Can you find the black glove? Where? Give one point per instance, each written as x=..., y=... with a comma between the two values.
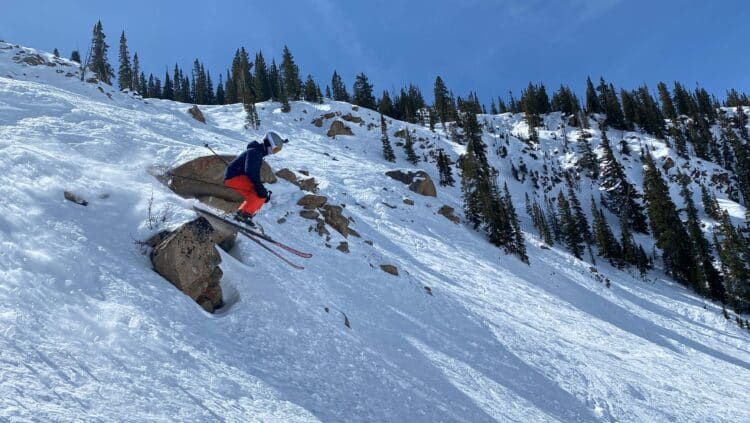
x=268, y=196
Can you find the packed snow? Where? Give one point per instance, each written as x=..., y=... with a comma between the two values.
x=89, y=332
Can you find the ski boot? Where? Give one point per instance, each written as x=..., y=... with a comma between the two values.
x=245, y=218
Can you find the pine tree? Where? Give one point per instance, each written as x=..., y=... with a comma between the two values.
x=588, y=160
x=603, y=236
x=261, y=80
x=283, y=99
x=667, y=106
x=592, y=101
x=669, y=232
x=734, y=253
x=55, y=53
x=290, y=75
x=135, y=72
x=338, y=89
x=363, y=92
x=471, y=174
x=442, y=100
x=210, y=95
x=581, y=222
x=75, y=56
x=168, y=92
x=98, y=62
x=411, y=156
x=620, y=196
x=444, y=169
x=518, y=245
x=274, y=81
x=310, y=90
x=570, y=233
x=220, y=98
x=125, y=73
x=387, y=149
x=706, y=276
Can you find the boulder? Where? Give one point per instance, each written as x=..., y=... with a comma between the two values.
x=196, y=113
x=188, y=259
x=318, y=122
x=220, y=203
x=287, y=175
x=343, y=247
x=389, y=268
x=419, y=182
x=447, y=211
x=354, y=119
x=408, y=201
x=423, y=185
x=309, y=214
x=401, y=133
x=312, y=201
x=225, y=234
x=334, y=218
x=338, y=128
x=668, y=164
x=266, y=174
x=309, y=185
x=204, y=176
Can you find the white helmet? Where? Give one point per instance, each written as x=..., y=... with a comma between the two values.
x=273, y=142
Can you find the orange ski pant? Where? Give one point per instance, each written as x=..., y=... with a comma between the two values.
x=245, y=188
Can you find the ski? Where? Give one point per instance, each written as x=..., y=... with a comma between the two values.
x=251, y=232
x=275, y=253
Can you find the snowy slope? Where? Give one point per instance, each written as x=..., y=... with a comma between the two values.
x=89, y=332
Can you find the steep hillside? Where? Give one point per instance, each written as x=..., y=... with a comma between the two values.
x=88, y=331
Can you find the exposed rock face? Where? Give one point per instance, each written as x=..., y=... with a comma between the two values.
x=204, y=176
x=354, y=119
x=389, y=268
x=287, y=175
x=189, y=260
x=334, y=218
x=311, y=201
x=447, y=211
x=197, y=114
x=338, y=128
x=419, y=182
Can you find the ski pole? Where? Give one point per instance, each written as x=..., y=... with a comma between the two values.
x=215, y=153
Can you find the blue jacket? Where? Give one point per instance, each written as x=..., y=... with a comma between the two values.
x=249, y=163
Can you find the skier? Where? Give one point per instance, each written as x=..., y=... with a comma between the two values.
x=243, y=176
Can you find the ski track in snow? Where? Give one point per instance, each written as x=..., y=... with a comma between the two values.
x=89, y=332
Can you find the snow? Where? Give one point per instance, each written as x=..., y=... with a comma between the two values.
x=89, y=332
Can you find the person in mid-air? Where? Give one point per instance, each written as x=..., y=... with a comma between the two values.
x=243, y=176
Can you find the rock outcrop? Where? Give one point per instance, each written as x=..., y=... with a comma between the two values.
x=447, y=211
x=204, y=177
x=188, y=259
x=354, y=119
x=389, y=268
x=419, y=182
x=338, y=128
x=196, y=113
x=333, y=217
x=312, y=201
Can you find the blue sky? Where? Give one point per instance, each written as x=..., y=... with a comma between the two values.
x=487, y=46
